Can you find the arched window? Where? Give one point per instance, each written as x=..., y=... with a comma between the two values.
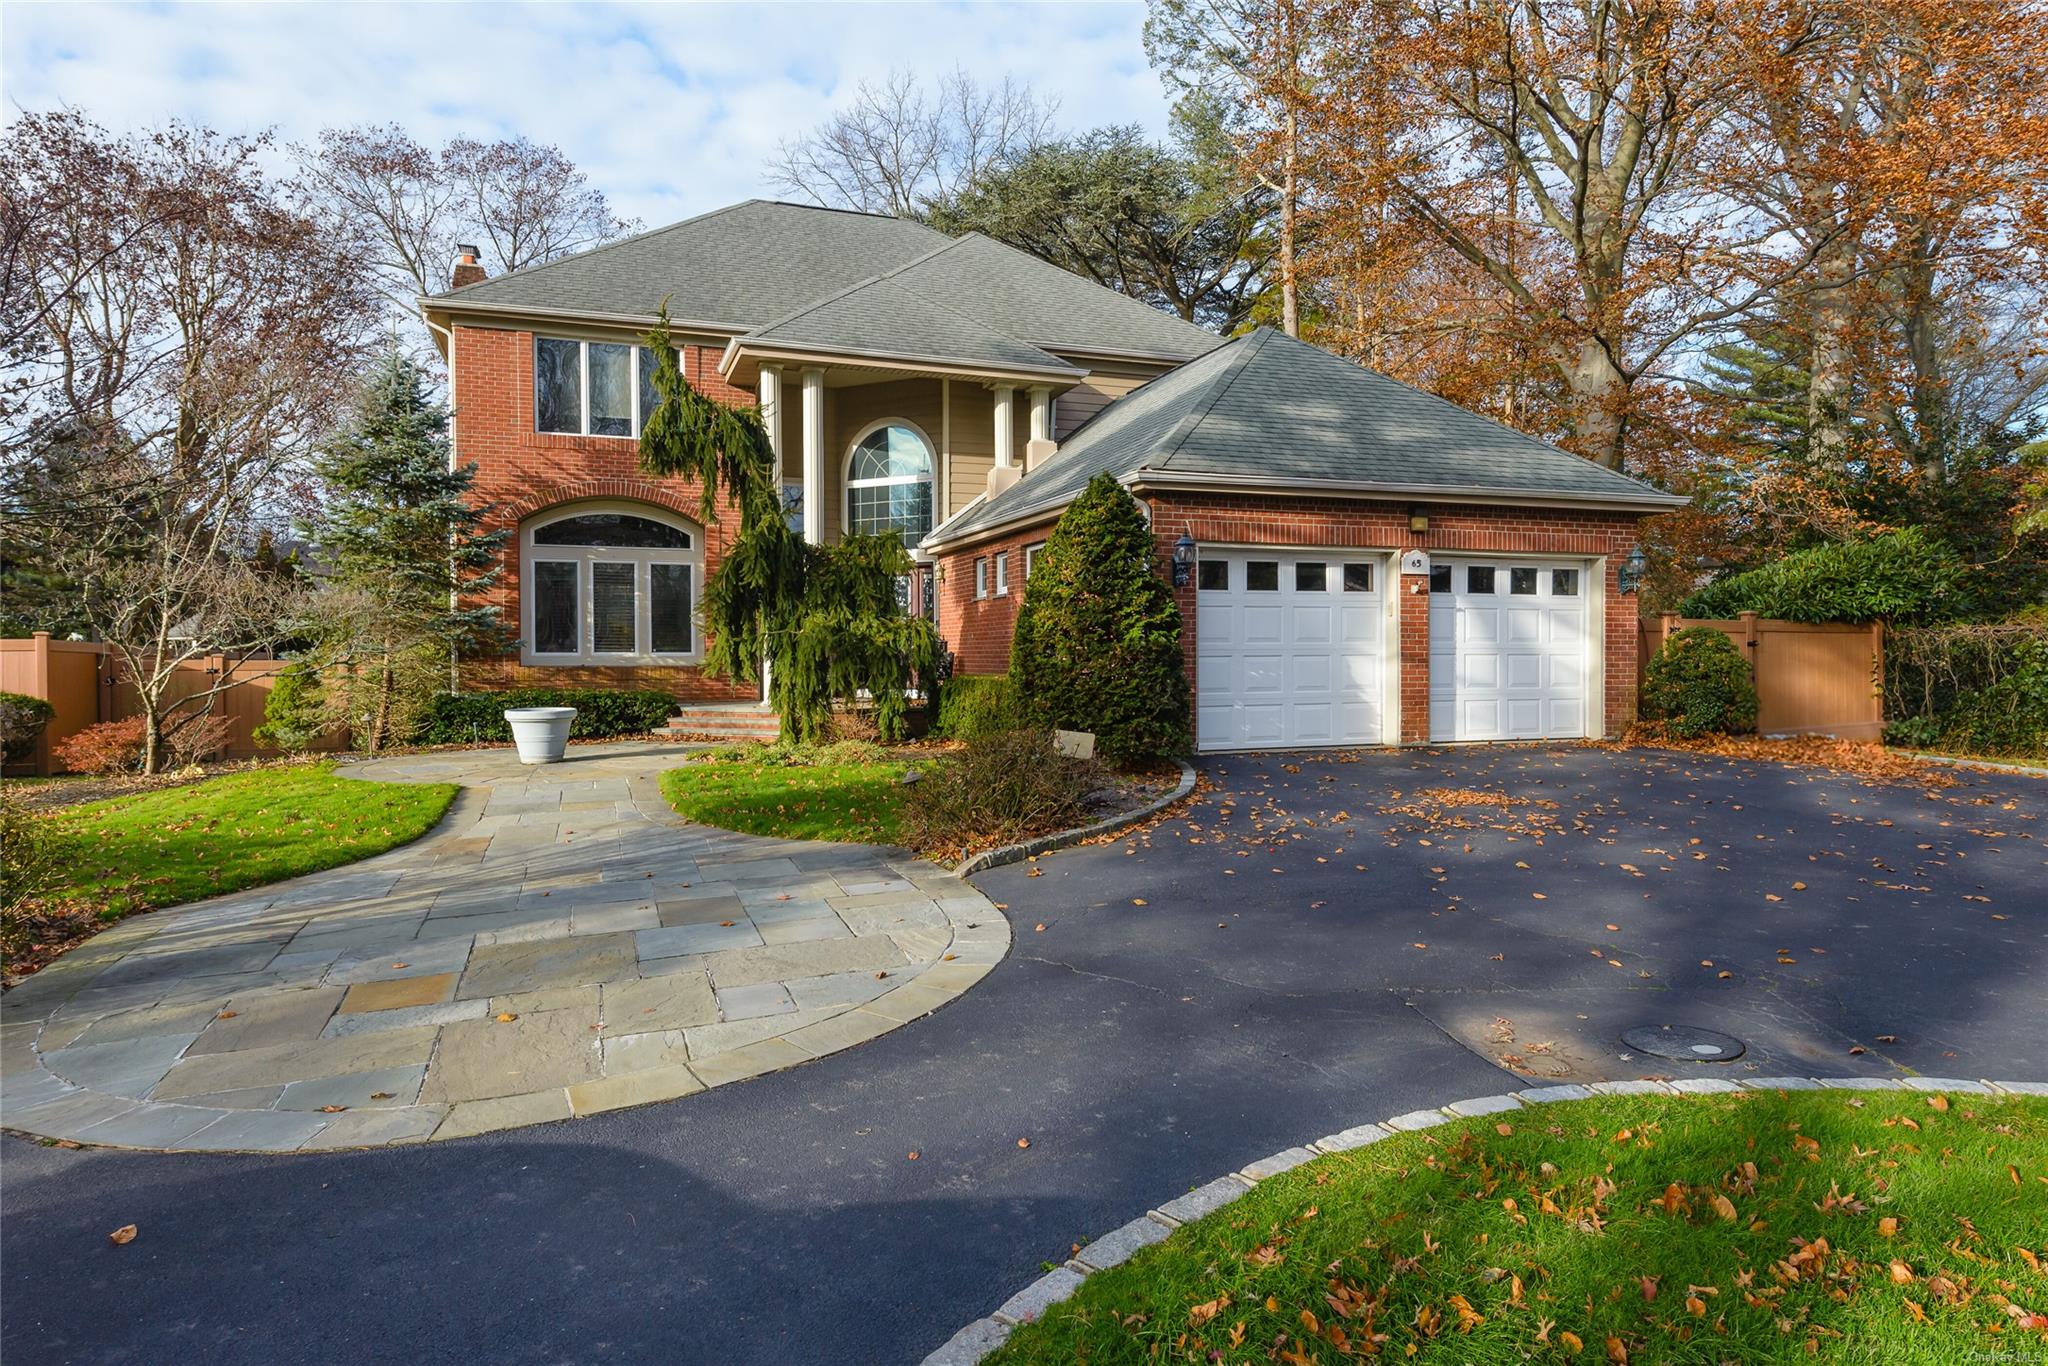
x=609, y=584
x=889, y=481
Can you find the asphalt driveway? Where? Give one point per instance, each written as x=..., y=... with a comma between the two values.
x=1175, y=1005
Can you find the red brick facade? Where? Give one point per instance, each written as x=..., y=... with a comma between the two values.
x=522, y=471
x=979, y=631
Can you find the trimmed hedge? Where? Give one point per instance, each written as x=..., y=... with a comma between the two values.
x=974, y=705
x=464, y=718
x=1896, y=576
x=1699, y=684
x=22, y=719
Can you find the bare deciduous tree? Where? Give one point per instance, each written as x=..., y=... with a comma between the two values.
x=192, y=335
x=403, y=206
x=901, y=146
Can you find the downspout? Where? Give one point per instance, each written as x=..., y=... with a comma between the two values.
x=454, y=663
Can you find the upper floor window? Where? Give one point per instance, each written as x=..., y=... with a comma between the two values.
x=889, y=482
x=591, y=388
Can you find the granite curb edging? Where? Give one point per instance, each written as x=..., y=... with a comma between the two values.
x=1990, y=765
x=979, y=938
x=983, y=1336
x=1045, y=844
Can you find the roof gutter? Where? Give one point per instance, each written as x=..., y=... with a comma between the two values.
x=739, y=347
x=450, y=304
x=1649, y=501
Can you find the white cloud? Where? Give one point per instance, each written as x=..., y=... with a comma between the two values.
x=671, y=109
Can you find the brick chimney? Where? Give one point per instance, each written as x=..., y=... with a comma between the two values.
x=467, y=271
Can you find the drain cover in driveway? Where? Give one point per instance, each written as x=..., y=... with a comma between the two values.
x=1683, y=1042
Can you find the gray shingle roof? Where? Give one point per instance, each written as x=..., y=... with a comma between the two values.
x=1015, y=292
x=754, y=263
x=883, y=317
x=1280, y=412
x=739, y=266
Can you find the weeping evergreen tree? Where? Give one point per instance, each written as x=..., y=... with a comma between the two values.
x=825, y=618
x=402, y=547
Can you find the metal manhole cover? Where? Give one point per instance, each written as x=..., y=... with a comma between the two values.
x=1683, y=1042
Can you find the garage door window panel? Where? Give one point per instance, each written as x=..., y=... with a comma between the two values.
x=1479, y=578
x=1262, y=576
x=1358, y=578
x=1213, y=576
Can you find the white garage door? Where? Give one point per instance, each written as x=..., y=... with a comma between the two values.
x=1290, y=649
x=1509, y=650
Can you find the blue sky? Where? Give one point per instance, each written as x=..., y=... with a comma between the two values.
x=671, y=109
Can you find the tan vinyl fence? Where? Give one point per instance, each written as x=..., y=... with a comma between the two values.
x=1810, y=679
x=82, y=680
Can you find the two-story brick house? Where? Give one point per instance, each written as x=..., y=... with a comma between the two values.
x=1365, y=563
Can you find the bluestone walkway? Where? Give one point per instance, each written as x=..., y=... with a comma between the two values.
x=561, y=944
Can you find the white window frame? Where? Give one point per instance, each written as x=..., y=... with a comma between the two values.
x=1002, y=573
x=583, y=346
x=848, y=483
x=1031, y=553
x=586, y=556
x=980, y=579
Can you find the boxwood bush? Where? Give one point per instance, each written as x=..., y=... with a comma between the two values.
x=974, y=705
x=464, y=718
x=1699, y=684
x=22, y=719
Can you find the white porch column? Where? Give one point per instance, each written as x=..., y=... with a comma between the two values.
x=770, y=390
x=814, y=456
x=1006, y=425
x=1041, y=412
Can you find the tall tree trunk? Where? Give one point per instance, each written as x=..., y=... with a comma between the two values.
x=1599, y=401
x=1832, y=365
x=1290, y=306
x=152, y=741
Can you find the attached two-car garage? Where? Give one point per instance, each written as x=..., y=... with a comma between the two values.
x=1298, y=648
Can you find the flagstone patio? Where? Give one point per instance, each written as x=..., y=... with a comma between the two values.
x=561, y=944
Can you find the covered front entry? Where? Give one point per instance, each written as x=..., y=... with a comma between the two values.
x=1291, y=649
x=1511, y=649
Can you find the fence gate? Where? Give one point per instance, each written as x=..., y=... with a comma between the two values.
x=1810, y=679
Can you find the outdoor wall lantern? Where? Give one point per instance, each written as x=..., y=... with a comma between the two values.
x=1418, y=520
x=1631, y=574
x=1183, y=560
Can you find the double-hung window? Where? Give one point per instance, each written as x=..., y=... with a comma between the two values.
x=604, y=585
x=981, y=578
x=585, y=388
x=1003, y=574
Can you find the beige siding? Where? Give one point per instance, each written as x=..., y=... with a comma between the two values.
x=1104, y=385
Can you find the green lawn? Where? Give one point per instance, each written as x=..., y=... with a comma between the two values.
x=238, y=830
x=862, y=801
x=1757, y=1227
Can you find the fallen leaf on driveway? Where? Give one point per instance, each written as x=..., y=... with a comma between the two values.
x=507, y=1017
x=332, y=1109
x=1023, y=1142
x=122, y=1236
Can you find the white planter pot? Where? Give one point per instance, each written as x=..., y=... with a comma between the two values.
x=541, y=733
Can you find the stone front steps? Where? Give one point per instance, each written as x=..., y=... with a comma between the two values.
x=725, y=721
